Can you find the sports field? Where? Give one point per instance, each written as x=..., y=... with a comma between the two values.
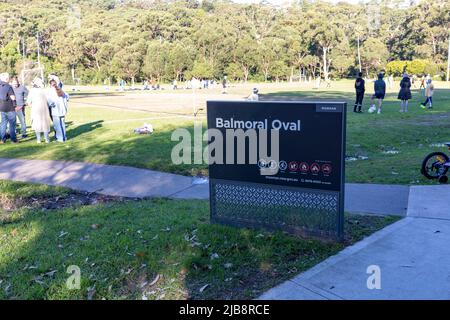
x=386, y=148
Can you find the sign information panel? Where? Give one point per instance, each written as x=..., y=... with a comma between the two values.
x=291, y=172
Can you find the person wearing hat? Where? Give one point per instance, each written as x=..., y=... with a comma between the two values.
x=405, y=92
x=54, y=77
x=254, y=96
x=380, y=92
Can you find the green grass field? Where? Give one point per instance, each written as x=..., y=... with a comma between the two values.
x=151, y=249
x=100, y=129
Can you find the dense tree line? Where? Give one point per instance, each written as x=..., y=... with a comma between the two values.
x=164, y=40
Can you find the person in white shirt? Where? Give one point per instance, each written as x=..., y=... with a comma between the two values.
x=57, y=100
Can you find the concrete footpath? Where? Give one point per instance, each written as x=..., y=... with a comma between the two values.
x=413, y=256
x=140, y=183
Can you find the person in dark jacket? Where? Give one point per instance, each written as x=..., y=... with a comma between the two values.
x=7, y=109
x=360, y=89
x=380, y=92
x=21, y=93
x=405, y=92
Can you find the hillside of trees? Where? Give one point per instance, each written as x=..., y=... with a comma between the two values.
x=94, y=40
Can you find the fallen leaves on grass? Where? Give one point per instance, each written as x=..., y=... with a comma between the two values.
x=62, y=234
x=203, y=288
x=158, y=276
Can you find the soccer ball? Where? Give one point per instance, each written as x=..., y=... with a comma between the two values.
x=372, y=109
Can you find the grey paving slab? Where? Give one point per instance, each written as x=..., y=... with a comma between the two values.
x=200, y=192
x=430, y=202
x=376, y=198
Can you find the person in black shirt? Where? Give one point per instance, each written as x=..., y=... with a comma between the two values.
x=360, y=89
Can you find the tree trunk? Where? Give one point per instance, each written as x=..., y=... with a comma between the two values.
x=266, y=74
x=325, y=63
x=434, y=44
x=72, y=69
x=246, y=72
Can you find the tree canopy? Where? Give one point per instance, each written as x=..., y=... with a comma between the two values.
x=178, y=39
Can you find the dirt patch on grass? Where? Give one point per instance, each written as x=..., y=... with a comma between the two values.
x=74, y=199
x=433, y=119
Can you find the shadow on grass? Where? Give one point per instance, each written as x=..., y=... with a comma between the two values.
x=84, y=128
x=160, y=249
x=134, y=243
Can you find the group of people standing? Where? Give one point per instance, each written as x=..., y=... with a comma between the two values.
x=47, y=106
x=404, y=94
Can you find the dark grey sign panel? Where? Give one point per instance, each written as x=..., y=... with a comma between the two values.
x=305, y=195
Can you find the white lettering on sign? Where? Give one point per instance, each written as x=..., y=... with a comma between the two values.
x=276, y=124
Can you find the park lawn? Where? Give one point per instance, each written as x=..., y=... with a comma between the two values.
x=150, y=249
x=392, y=144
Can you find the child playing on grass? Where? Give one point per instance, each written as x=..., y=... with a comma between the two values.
x=405, y=92
x=429, y=95
x=360, y=89
x=57, y=100
x=380, y=92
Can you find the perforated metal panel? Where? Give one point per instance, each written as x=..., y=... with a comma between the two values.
x=304, y=212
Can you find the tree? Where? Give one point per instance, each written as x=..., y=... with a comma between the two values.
x=9, y=56
x=180, y=58
x=396, y=67
x=343, y=58
x=202, y=70
x=156, y=60
x=270, y=51
x=68, y=50
x=326, y=35
x=245, y=55
x=234, y=71
x=241, y=40
x=374, y=55
x=127, y=62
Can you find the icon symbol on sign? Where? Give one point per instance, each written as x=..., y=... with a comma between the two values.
x=272, y=164
x=262, y=164
x=304, y=167
x=315, y=168
x=326, y=168
x=283, y=165
x=293, y=166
